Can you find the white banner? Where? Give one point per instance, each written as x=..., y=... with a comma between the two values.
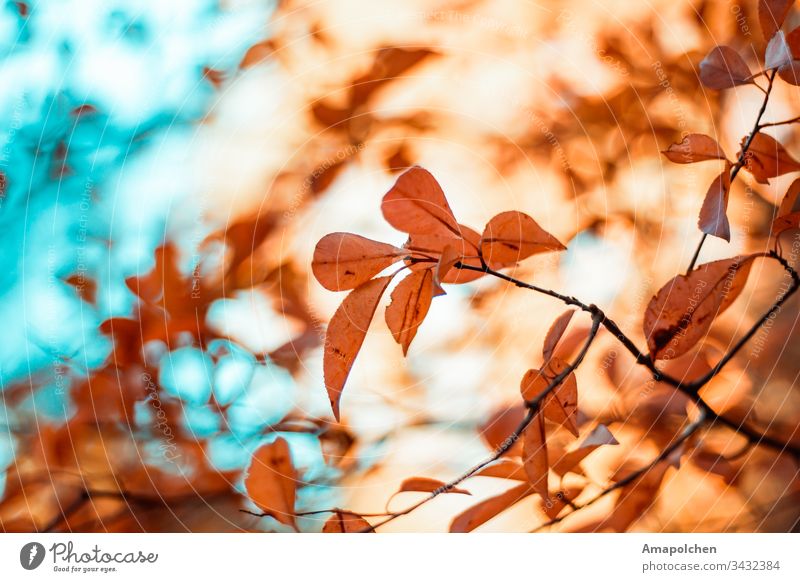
x=595, y=557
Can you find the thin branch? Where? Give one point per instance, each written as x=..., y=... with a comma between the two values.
x=743, y=154
x=629, y=479
x=688, y=388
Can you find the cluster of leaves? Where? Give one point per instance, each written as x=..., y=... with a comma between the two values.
x=542, y=439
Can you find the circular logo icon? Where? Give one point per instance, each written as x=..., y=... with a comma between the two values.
x=31, y=555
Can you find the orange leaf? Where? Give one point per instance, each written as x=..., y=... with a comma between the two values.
x=723, y=68
x=788, y=216
x=411, y=300
x=513, y=236
x=346, y=522
x=771, y=14
x=346, y=332
x=345, y=261
x=426, y=485
x=714, y=212
x=767, y=158
x=534, y=455
x=479, y=514
x=416, y=204
x=682, y=312
x=271, y=481
x=695, y=147
x=555, y=333
x=561, y=405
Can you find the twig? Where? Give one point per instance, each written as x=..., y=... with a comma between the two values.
x=743, y=154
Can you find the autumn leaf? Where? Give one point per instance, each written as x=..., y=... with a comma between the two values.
x=682, y=312
x=778, y=53
x=714, y=212
x=416, y=204
x=767, y=158
x=271, y=481
x=561, y=404
x=427, y=485
x=771, y=14
x=723, y=68
x=513, y=236
x=788, y=216
x=555, y=333
x=411, y=300
x=344, y=261
x=346, y=522
x=695, y=147
x=345, y=336
x=479, y=514
x=534, y=455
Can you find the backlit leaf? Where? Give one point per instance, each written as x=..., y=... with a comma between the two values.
x=714, y=212
x=513, y=236
x=346, y=522
x=788, y=216
x=479, y=514
x=345, y=336
x=345, y=261
x=555, y=333
x=411, y=300
x=778, y=53
x=767, y=158
x=561, y=404
x=416, y=204
x=682, y=312
x=271, y=481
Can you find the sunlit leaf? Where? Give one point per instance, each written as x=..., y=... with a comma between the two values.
x=345, y=261
x=714, y=212
x=682, y=312
x=695, y=147
x=271, y=481
x=479, y=514
x=513, y=236
x=411, y=300
x=345, y=336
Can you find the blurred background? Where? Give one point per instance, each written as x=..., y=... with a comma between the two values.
x=166, y=169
